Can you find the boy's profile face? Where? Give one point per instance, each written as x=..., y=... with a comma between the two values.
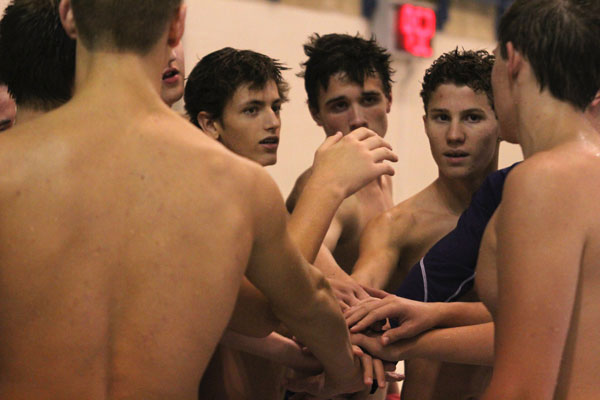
x=250, y=123
x=346, y=106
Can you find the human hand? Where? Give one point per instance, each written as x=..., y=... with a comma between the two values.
x=299, y=358
x=348, y=292
x=352, y=161
x=319, y=387
x=400, y=350
x=413, y=317
x=327, y=384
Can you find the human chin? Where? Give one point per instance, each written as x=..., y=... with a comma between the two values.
x=267, y=159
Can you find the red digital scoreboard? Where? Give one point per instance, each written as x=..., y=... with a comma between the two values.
x=414, y=28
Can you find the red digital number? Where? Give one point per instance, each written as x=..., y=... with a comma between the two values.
x=415, y=27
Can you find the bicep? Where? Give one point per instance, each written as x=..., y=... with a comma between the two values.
x=276, y=266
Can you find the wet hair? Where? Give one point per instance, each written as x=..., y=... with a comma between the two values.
x=122, y=25
x=354, y=57
x=37, y=58
x=216, y=77
x=561, y=40
x=472, y=68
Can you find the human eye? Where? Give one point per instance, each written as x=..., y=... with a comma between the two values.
x=338, y=106
x=473, y=117
x=440, y=117
x=250, y=110
x=370, y=100
x=276, y=108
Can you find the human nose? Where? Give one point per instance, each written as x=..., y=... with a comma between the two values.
x=173, y=56
x=455, y=133
x=273, y=122
x=357, y=118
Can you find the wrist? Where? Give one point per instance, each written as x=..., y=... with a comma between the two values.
x=326, y=187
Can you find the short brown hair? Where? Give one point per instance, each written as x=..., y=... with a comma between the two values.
x=125, y=25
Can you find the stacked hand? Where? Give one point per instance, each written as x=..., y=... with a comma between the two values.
x=409, y=318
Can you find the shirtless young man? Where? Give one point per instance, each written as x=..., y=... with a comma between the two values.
x=235, y=97
x=539, y=275
x=462, y=130
x=348, y=83
x=128, y=232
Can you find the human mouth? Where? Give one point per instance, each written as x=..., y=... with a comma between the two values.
x=171, y=76
x=271, y=143
x=456, y=155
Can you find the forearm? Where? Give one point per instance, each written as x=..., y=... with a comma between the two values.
x=374, y=274
x=464, y=345
x=272, y=347
x=329, y=267
x=312, y=215
x=252, y=315
x=461, y=314
x=321, y=326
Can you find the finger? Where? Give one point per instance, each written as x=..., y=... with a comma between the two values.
x=380, y=294
x=394, y=377
x=367, y=365
x=379, y=372
x=358, y=311
x=362, y=294
x=355, y=315
x=389, y=366
x=370, y=345
x=399, y=333
x=373, y=316
x=344, y=307
x=383, y=154
x=375, y=142
x=361, y=134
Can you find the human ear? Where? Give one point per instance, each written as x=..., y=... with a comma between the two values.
x=67, y=19
x=209, y=125
x=177, y=26
x=316, y=115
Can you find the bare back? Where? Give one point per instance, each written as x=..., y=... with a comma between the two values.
x=122, y=245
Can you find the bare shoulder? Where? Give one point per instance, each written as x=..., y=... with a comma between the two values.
x=557, y=188
x=403, y=221
x=553, y=175
x=297, y=190
x=394, y=224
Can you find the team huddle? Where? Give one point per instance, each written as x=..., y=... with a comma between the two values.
x=148, y=255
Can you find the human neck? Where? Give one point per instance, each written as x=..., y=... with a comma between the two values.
x=456, y=193
x=546, y=122
x=26, y=114
x=124, y=80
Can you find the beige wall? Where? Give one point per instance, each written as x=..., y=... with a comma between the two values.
x=279, y=30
